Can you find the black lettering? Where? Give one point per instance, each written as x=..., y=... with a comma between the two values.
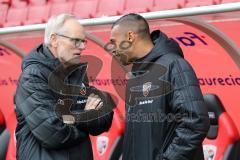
x=221, y=81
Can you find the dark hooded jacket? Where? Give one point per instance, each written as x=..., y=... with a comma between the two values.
x=166, y=116
x=41, y=133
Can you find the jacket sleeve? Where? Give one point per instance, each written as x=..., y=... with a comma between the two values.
x=38, y=109
x=186, y=99
x=103, y=122
x=100, y=125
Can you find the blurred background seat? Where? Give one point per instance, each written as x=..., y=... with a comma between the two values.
x=165, y=5
x=37, y=2
x=139, y=6
x=3, y=13
x=197, y=3
x=85, y=8
x=229, y=1
x=110, y=8
x=16, y=17
x=19, y=3
x=58, y=8
x=37, y=14
x=57, y=1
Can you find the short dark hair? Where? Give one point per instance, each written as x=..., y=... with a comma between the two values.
x=135, y=22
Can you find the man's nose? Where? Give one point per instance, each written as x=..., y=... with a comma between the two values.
x=82, y=46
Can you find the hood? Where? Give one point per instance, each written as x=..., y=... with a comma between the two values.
x=162, y=45
x=40, y=55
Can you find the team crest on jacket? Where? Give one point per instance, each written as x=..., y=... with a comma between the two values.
x=209, y=152
x=102, y=144
x=146, y=88
x=83, y=90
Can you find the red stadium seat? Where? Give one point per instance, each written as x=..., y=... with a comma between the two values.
x=58, y=8
x=197, y=3
x=169, y=6
x=178, y=3
x=138, y=6
x=222, y=135
x=37, y=2
x=230, y=1
x=107, y=7
x=16, y=17
x=217, y=1
x=5, y=2
x=85, y=8
x=18, y=4
x=3, y=13
x=165, y=5
x=57, y=1
x=37, y=14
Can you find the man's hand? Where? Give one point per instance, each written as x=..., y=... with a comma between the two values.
x=93, y=102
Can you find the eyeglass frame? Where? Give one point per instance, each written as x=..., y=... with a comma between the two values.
x=77, y=41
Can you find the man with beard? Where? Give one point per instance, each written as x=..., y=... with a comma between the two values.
x=164, y=88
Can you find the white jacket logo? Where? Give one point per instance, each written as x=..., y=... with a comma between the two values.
x=102, y=144
x=83, y=90
x=209, y=152
x=146, y=88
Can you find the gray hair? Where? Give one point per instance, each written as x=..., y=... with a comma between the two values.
x=55, y=25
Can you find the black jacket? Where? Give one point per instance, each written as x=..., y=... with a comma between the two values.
x=166, y=115
x=41, y=133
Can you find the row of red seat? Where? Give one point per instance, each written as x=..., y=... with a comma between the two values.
x=40, y=10
x=23, y=3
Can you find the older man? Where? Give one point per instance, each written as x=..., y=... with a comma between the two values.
x=46, y=128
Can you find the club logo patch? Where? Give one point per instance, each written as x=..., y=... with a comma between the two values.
x=83, y=90
x=209, y=152
x=146, y=88
x=102, y=144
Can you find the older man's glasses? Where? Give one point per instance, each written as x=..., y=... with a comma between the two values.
x=78, y=42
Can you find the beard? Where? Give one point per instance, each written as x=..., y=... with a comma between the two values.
x=123, y=58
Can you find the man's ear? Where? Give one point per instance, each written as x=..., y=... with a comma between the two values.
x=131, y=36
x=53, y=40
